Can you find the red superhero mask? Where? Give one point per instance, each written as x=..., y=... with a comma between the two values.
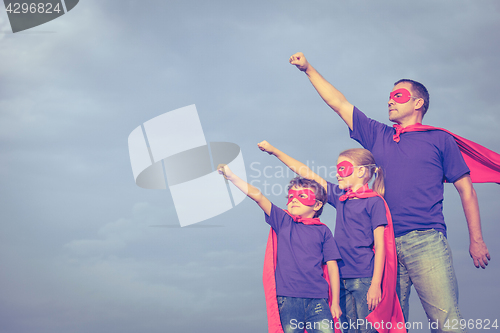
x=400, y=96
x=309, y=199
x=345, y=169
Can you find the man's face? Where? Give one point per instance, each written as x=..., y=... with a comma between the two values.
x=399, y=112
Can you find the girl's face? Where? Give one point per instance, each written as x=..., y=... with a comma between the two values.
x=349, y=175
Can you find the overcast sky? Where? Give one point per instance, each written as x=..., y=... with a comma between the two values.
x=84, y=249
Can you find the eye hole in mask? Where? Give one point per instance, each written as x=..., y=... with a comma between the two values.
x=305, y=196
x=345, y=169
x=400, y=96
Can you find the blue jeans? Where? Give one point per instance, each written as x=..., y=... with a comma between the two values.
x=353, y=305
x=312, y=314
x=424, y=260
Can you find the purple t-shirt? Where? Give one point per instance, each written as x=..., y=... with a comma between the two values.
x=302, y=250
x=356, y=220
x=414, y=170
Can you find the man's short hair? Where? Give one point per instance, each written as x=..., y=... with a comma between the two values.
x=316, y=187
x=420, y=91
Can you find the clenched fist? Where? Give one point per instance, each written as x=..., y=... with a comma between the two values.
x=266, y=146
x=299, y=60
x=224, y=170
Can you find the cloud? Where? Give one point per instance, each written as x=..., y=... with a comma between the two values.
x=117, y=235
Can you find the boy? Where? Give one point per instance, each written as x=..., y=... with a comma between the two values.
x=304, y=244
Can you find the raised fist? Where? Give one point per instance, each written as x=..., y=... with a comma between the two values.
x=299, y=60
x=224, y=170
x=266, y=146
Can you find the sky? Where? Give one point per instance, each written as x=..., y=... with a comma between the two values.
x=84, y=249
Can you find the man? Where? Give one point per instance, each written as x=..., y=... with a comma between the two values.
x=415, y=164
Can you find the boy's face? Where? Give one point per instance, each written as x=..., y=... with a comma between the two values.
x=348, y=174
x=297, y=207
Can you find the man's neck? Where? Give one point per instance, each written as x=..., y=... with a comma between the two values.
x=409, y=119
x=406, y=123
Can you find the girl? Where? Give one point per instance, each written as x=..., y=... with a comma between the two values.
x=362, y=239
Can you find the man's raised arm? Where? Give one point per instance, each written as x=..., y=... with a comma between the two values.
x=334, y=98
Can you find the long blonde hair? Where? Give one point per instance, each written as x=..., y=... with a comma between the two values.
x=363, y=157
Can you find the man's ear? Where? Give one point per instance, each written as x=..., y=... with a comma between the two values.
x=317, y=206
x=419, y=104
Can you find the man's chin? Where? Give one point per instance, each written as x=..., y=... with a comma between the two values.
x=393, y=116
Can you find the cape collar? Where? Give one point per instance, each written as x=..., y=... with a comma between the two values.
x=361, y=193
x=304, y=220
x=411, y=128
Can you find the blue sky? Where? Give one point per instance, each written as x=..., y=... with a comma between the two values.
x=82, y=248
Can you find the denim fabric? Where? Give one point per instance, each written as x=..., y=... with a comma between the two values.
x=312, y=314
x=424, y=260
x=353, y=305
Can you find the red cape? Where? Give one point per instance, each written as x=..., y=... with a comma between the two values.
x=269, y=281
x=389, y=308
x=484, y=164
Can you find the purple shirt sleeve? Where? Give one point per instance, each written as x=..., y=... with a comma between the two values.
x=378, y=214
x=276, y=218
x=454, y=165
x=366, y=130
x=333, y=193
x=330, y=249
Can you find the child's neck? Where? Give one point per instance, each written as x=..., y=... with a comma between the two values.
x=305, y=216
x=356, y=187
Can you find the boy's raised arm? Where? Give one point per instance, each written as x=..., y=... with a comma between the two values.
x=334, y=98
x=296, y=166
x=251, y=191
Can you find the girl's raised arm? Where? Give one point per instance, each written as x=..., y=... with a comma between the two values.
x=296, y=166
